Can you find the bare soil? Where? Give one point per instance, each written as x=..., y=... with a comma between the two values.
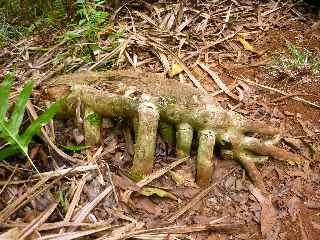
x=290, y=210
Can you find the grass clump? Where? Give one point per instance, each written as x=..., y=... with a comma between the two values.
x=90, y=33
x=296, y=62
x=9, y=32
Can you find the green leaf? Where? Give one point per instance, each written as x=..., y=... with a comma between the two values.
x=71, y=35
x=35, y=126
x=63, y=201
x=76, y=148
x=19, y=108
x=9, y=151
x=94, y=119
x=9, y=129
x=4, y=95
x=298, y=56
x=14, y=137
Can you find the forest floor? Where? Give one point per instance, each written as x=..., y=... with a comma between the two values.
x=268, y=54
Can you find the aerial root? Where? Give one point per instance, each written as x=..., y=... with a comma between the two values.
x=252, y=171
x=205, y=162
x=230, y=128
x=146, y=134
x=184, y=137
x=247, y=160
x=266, y=149
x=167, y=132
x=250, y=126
x=91, y=125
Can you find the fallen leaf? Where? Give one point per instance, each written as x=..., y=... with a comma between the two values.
x=270, y=225
x=175, y=69
x=124, y=184
x=148, y=191
x=186, y=192
x=183, y=177
x=246, y=45
x=147, y=205
x=11, y=234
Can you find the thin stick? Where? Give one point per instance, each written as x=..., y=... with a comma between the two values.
x=8, y=210
x=160, y=172
x=73, y=235
x=84, y=212
x=16, y=182
x=218, y=81
x=111, y=182
x=194, y=201
x=155, y=175
x=164, y=48
x=60, y=172
x=56, y=225
x=9, y=179
x=226, y=228
x=46, y=137
x=37, y=222
x=106, y=56
x=299, y=99
x=75, y=200
x=212, y=44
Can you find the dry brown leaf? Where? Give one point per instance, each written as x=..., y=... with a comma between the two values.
x=124, y=184
x=11, y=234
x=270, y=226
x=146, y=204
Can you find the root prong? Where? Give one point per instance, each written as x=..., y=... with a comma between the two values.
x=184, y=137
x=266, y=149
x=148, y=117
x=167, y=133
x=252, y=171
x=92, y=126
x=249, y=126
x=205, y=156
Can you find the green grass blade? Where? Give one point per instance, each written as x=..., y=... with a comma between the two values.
x=299, y=57
x=15, y=138
x=19, y=108
x=18, y=143
x=45, y=117
x=9, y=151
x=4, y=95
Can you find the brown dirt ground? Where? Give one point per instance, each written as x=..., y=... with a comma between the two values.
x=295, y=190
x=288, y=185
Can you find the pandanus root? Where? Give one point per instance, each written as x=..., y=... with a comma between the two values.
x=212, y=124
x=178, y=123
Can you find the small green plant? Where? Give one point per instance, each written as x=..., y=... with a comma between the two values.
x=8, y=32
x=13, y=140
x=94, y=119
x=300, y=60
x=90, y=33
x=90, y=21
x=91, y=18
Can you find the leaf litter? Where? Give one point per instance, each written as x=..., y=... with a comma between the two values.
x=234, y=46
